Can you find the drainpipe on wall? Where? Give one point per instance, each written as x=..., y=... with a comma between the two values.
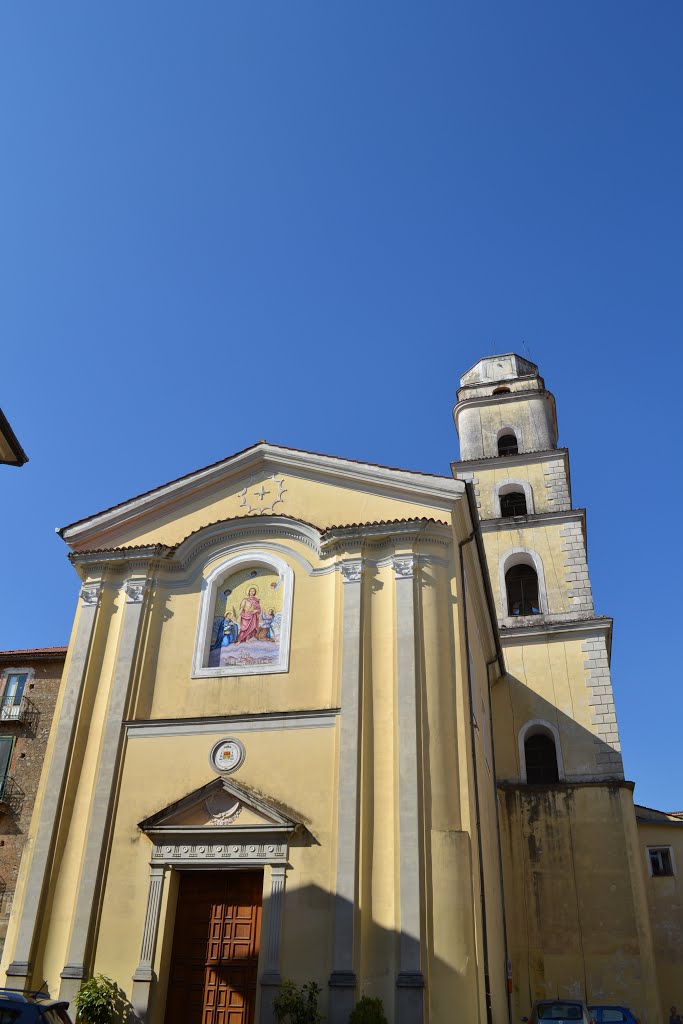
x=508, y=979
x=482, y=891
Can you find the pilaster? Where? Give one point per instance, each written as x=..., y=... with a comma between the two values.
x=76, y=967
x=20, y=968
x=271, y=978
x=144, y=975
x=343, y=977
x=410, y=980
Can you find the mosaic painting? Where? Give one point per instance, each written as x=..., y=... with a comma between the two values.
x=247, y=619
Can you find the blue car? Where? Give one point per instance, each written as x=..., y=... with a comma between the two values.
x=613, y=1015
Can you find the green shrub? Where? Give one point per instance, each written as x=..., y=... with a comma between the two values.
x=368, y=1011
x=97, y=1001
x=294, y=1005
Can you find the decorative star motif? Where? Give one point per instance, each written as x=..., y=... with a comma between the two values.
x=257, y=499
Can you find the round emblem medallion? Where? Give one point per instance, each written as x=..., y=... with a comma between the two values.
x=226, y=756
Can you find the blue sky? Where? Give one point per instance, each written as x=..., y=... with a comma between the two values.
x=303, y=221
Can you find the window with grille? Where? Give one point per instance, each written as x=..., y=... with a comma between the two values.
x=541, y=759
x=507, y=445
x=513, y=503
x=660, y=860
x=521, y=583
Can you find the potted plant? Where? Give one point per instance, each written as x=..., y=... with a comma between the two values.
x=368, y=1011
x=294, y=1005
x=97, y=1001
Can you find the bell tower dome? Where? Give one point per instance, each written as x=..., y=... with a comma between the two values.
x=503, y=408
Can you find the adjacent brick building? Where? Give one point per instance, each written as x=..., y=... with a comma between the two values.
x=29, y=685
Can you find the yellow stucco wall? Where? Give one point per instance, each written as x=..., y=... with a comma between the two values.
x=547, y=541
x=545, y=681
x=665, y=902
x=578, y=924
x=532, y=473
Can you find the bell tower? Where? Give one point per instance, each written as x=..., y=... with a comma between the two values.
x=556, y=648
x=572, y=916
x=558, y=768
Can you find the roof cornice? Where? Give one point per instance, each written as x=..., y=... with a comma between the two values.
x=515, y=636
x=533, y=519
x=323, y=542
x=440, y=491
x=521, y=459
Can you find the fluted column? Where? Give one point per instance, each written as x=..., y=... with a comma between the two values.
x=410, y=980
x=343, y=977
x=76, y=967
x=46, y=825
x=144, y=974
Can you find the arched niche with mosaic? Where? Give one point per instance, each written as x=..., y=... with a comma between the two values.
x=245, y=617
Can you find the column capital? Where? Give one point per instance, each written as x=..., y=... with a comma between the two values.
x=90, y=594
x=403, y=566
x=351, y=569
x=135, y=589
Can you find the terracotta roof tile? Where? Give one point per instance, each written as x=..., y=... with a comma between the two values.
x=274, y=515
x=28, y=652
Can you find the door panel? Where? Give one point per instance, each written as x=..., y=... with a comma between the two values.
x=214, y=961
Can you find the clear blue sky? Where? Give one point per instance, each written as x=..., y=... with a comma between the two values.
x=302, y=221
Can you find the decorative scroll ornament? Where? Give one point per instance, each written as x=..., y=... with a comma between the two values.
x=260, y=496
x=90, y=593
x=135, y=590
x=352, y=570
x=403, y=567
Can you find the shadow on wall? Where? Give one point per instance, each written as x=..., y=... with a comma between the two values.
x=569, y=866
x=307, y=927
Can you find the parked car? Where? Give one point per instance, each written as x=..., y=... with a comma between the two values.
x=18, y=1007
x=613, y=1015
x=561, y=1011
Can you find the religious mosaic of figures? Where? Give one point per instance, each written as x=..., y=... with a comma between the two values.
x=247, y=619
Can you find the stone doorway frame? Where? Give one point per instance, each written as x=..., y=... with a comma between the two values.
x=217, y=848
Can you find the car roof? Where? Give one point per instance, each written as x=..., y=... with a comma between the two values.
x=32, y=998
x=558, y=999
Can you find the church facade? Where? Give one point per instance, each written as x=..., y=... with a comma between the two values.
x=342, y=723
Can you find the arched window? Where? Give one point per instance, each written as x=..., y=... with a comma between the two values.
x=501, y=391
x=507, y=445
x=540, y=759
x=244, y=617
x=513, y=503
x=521, y=584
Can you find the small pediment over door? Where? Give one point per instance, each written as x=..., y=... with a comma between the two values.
x=221, y=822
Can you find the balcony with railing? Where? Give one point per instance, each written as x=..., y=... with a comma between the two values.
x=11, y=795
x=23, y=711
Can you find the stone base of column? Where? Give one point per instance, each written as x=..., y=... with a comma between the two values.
x=410, y=997
x=20, y=973
x=342, y=996
x=70, y=985
x=140, y=995
x=270, y=986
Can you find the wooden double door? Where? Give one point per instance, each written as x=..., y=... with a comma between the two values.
x=215, y=948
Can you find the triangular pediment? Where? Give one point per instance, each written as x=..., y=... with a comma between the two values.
x=221, y=804
x=267, y=480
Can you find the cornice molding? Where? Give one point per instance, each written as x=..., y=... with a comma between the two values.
x=521, y=459
x=261, y=532
x=477, y=401
x=395, y=483
x=516, y=636
x=534, y=519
